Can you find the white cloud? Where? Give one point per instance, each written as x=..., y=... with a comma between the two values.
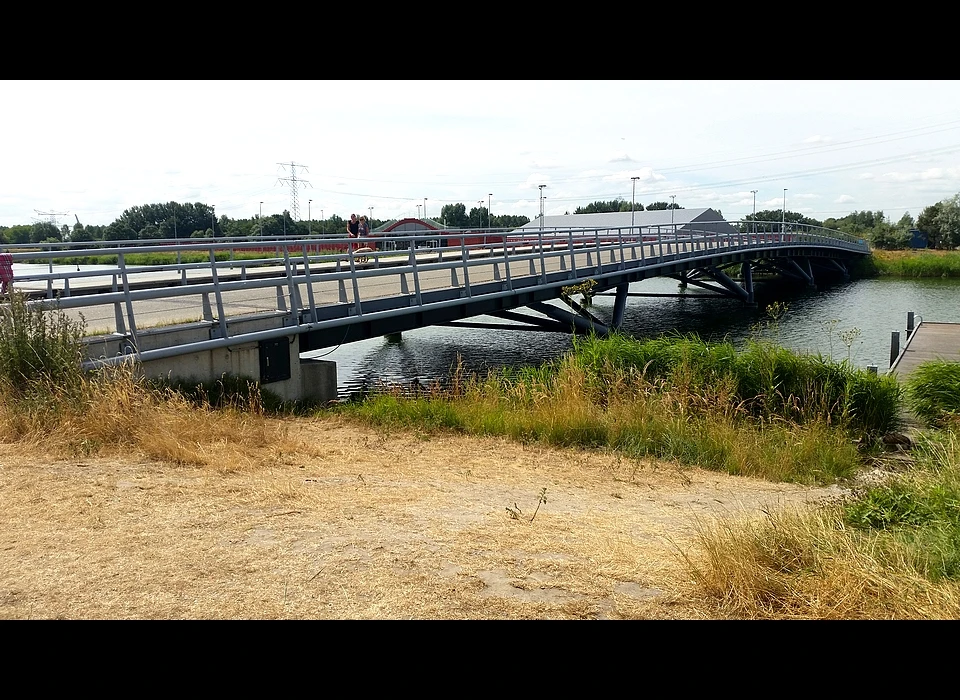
x=544, y=164
x=646, y=175
x=621, y=158
x=928, y=174
x=844, y=198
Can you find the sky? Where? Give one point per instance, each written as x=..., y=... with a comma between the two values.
x=89, y=150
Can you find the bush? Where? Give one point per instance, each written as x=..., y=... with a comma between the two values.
x=38, y=346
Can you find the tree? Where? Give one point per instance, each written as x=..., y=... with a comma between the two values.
x=150, y=231
x=454, y=216
x=885, y=236
x=44, y=231
x=600, y=207
x=948, y=219
x=80, y=233
x=906, y=222
x=19, y=233
x=928, y=222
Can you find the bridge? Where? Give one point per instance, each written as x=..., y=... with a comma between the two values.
x=252, y=306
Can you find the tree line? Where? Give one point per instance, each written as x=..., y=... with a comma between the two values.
x=171, y=220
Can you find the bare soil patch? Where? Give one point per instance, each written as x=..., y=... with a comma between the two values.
x=348, y=522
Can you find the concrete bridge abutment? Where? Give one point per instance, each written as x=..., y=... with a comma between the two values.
x=274, y=363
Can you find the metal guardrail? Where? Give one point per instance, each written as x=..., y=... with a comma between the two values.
x=299, y=277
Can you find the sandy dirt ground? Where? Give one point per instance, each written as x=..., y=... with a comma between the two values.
x=352, y=523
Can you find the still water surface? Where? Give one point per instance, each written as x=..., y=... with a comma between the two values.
x=853, y=320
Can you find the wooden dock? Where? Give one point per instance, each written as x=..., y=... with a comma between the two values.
x=929, y=341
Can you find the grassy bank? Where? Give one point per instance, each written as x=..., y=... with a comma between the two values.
x=914, y=264
x=764, y=412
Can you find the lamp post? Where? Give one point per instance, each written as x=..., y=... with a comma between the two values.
x=783, y=213
x=480, y=213
x=370, y=220
x=489, y=200
x=321, y=223
x=261, y=220
x=633, y=199
x=541, y=205
x=418, y=211
x=213, y=221
x=754, y=210
x=309, y=218
x=673, y=204
x=424, y=207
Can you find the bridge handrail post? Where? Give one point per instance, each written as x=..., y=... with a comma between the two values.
x=306, y=274
x=623, y=255
x=660, y=236
x=466, y=268
x=125, y=281
x=292, y=292
x=543, y=264
x=416, y=272
x=596, y=238
x=117, y=310
x=218, y=293
x=506, y=262
x=573, y=257
x=354, y=283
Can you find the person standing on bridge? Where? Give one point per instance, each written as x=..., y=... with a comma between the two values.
x=353, y=230
x=6, y=272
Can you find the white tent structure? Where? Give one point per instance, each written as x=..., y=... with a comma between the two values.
x=684, y=220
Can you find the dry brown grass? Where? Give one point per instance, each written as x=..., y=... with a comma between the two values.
x=244, y=516
x=804, y=563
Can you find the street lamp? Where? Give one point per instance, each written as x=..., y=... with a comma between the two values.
x=673, y=205
x=418, y=211
x=321, y=223
x=370, y=221
x=480, y=213
x=424, y=207
x=309, y=218
x=261, y=219
x=541, y=205
x=633, y=198
x=489, y=200
x=754, y=210
x=783, y=213
x=213, y=221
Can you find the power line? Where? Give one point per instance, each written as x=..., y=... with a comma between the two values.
x=52, y=215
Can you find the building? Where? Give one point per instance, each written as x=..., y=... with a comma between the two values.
x=664, y=219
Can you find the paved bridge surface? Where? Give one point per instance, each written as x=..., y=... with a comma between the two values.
x=328, y=293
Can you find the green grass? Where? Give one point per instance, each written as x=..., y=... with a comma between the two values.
x=933, y=392
x=917, y=264
x=763, y=412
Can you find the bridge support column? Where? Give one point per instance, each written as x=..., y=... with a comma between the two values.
x=619, y=304
x=746, y=273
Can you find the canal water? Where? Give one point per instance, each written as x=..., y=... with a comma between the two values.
x=852, y=320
